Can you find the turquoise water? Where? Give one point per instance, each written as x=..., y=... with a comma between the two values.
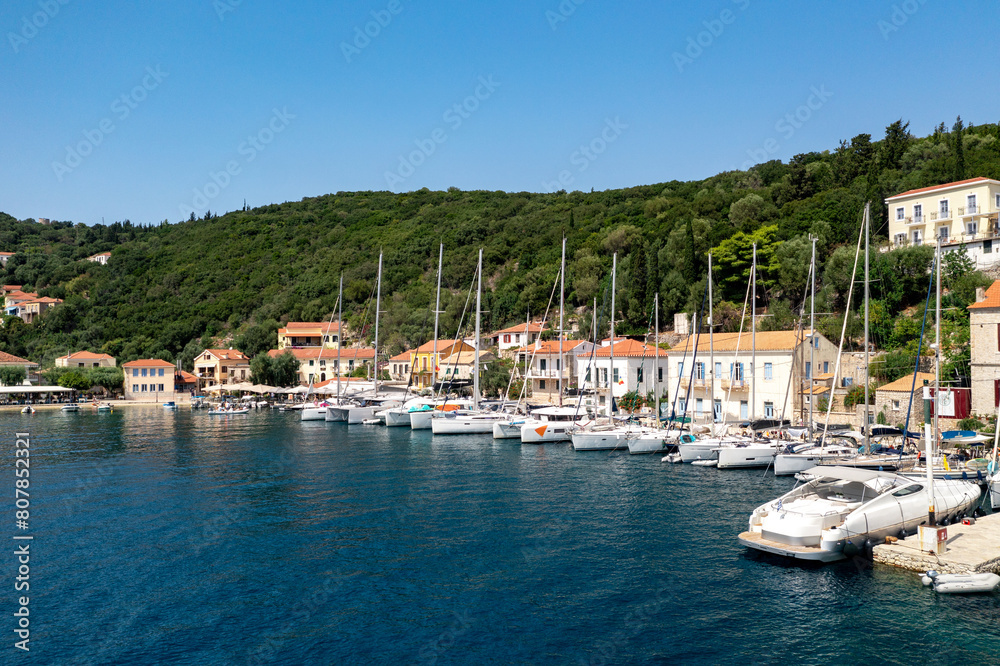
x=187, y=539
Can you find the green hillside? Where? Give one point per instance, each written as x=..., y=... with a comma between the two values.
x=171, y=289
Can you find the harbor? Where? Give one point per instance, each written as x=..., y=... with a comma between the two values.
x=971, y=548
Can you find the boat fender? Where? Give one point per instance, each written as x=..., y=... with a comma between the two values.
x=850, y=549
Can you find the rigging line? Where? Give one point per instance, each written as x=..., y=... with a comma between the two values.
x=531, y=362
x=736, y=356
x=916, y=365
x=591, y=368
x=458, y=332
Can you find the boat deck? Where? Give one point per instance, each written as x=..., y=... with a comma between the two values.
x=757, y=541
x=971, y=549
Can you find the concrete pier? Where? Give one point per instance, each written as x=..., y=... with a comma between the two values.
x=971, y=549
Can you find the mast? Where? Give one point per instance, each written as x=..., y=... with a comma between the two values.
x=611, y=367
x=711, y=347
x=340, y=335
x=656, y=341
x=868, y=428
x=437, y=313
x=937, y=345
x=812, y=339
x=378, y=301
x=479, y=298
x=562, y=295
x=753, y=343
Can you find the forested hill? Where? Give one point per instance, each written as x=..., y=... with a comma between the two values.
x=171, y=289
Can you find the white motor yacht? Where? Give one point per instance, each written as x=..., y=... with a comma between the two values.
x=553, y=424
x=803, y=456
x=842, y=509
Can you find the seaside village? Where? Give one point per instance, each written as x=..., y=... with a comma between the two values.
x=775, y=400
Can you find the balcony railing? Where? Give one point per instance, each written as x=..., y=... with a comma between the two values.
x=970, y=210
x=735, y=385
x=940, y=216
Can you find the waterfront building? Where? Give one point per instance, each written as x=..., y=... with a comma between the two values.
x=309, y=334
x=319, y=364
x=962, y=214
x=399, y=366
x=984, y=346
x=549, y=370
x=426, y=359
x=459, y=366
x=149, y=380
x=86, y=359
x=222, y=366
x=785, y=375
x=634, y=368
x=9, y=361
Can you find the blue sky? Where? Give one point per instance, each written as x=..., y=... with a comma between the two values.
x=148, y=111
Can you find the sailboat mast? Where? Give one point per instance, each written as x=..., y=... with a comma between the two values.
x=479, y=301
x=378, y=303
x=611, y=367
x=656, y=341
x=711, y=346
x=561, y=362
x=868, y=439
x=812, y=339
x=437, y=314
x=937, y=345
x=340, y=335
x=753, y=343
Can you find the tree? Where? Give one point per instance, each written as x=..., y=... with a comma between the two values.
x=734, y=260
x=258, y=339
x=262, y=369
x=959, y=173
x=13, y=375
x=285, y=370
x=894, y=145
x=74, y=379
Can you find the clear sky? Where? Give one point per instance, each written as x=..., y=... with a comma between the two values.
x=149, y=110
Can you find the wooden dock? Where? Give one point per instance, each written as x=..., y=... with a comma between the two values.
x=971, y=549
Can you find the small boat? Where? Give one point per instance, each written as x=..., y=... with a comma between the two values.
x=27, y=409
x=105, y=408
x=371, y=422
x=974, y=583
x=706, y=463
x=229, y=412
x=672, y=458
x=169, y=405
x=73, y=407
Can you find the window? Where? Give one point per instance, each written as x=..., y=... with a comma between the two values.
x=680, y=369
x=587, y=377
x=558, y=364
x=311, y=363
x=541, y=364
x=768, y=371
x=161, y=374
x=768, y=410
x=744, y=409
x=918, y=213
x=826, y=367
x=988, y=246
x=698, y=405
x=916, y=237
x=971, y=200
x=143, y=388
x=943, y=233
x=809, y=371
x=682, y=405
x=699, y=371
x=616, y=375
x=899, y=239
x=718, y=370
x=135, y=388
x=161, y=387
x=997, y=200
x=144, y=372
x=718, y=411
x=659, y=374
x=895, y=405
x=972, y=228
x=135, y=372
x=506, y=338
x=638, y=375
x=943, y=209
x=541, y=384
x=322, y=364
x=816, y=341
x=900, y=214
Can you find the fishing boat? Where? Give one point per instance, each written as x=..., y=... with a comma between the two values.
x=843, y=509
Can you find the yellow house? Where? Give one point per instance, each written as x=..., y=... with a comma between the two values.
x=222, y=366
x=319, y=365
x=959, y=213
x=309, y=334
x=85, y=359
x=31, y=310
x=149, y=380
x=425, y=360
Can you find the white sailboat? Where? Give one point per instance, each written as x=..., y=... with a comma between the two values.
x=314, y=411
x=473, y=421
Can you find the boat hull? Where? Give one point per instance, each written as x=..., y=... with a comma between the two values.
x=313, y=414
x=540, y=432
x=350, y=414
x=507, y=429
x=742, y=457
x=397, y=418
x=704, y=450
x=462, y=425
x=649, y=442
x=598, y=441
x=789, y=464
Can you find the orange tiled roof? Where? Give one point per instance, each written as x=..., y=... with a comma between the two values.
x=904, y=384
x=992, y=298
x=726, y=342
x=549, y=347
x=186, y=377
x=405, y=356
x=227, y=354
x=627, y=349
x=148, y=363
x=442, y=346
x=87, y=354
x=312, y=353
x=945, y=186
x=534, y=327
x=10, y=359
x=12, y=287
x=467, y=358
x=293, y=326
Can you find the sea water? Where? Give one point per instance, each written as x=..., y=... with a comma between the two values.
x=184, y=538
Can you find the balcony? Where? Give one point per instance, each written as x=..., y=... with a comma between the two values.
x=941, y=216
x=966, y=211
x=915, y=221
x=699, y=382
x=735, y=385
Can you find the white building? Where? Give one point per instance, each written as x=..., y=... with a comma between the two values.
x=516, y=336
x=100, y=258
x=550, y=372
x=783, y=375
x=634, y=368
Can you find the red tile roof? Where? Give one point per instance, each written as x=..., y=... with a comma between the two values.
x=87, y=354
x=534, y=327
x=549, y=347
x=442, y=346
x=628, y=349
x=313, y=353
x=905, y=384
x=227, y=354
x=293, y=326
x=992, y=298
x=186, y=377
x=10, y=359
x=957, y=183
x=148, y=363
x=405, y=356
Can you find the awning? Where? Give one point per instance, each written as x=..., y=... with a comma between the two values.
x=9, y=390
